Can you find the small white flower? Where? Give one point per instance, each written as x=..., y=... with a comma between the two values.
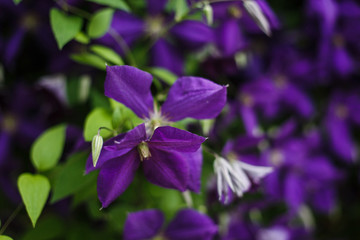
x=237, y=176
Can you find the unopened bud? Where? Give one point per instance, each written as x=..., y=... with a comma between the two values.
x=96, y=146
x=208, y=13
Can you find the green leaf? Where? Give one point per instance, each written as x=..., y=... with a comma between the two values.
x=16, y=2
x=100, y=23
x=82, y=38
x=71, y=177
x=164, y=74
x=65, y=27
x=47, y=149
x=49, y=227
x=180, y=7
x=3, y=237
x=125, y=116
x=97, y=118
x=119, y=4
x=89, y=59
x=108, y=54
x=34, y=191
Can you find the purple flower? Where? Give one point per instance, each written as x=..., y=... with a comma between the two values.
x=192, y=97
x=160, y=155
x=187, y=224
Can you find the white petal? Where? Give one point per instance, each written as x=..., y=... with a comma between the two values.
x=256, y=13
x=256, y=173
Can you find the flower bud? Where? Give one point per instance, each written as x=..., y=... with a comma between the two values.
x=96, y=146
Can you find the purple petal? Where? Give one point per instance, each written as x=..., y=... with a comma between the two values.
x=128, y=140
x=143, y=224
x=115, y=176
x=13, y=46
x=340, y=138
x=294, y=191
x=130, y=86
x=342, y=62
x=229, y=38
x=295, y=98
x=195, y=166
x=164, y=55
x=194, y=97
x=249, y=118
x=193, y=34
x=189, y=224
x=167, y=169
x=173, y=139
x=5, y=142
x=156, y=6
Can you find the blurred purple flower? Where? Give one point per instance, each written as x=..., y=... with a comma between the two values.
x=187, y=224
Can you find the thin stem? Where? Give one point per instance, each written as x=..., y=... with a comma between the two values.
x=123, y=45
x=77, y=11
x=11, y=218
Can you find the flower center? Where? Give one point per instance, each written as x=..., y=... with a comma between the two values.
x=341, y=111
x=9, y=123
x=235, y=12
x=30, y=21
x=144, y=151
x=276, y=157
x=155, y=25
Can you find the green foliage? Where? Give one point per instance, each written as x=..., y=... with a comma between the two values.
x=34, y=191
x=65, y=27
x=16, y=2
x=82, y=38
x=3, y=237
x=97, y=118
x=100, y=23
x=180, y=8
x=119, y=4
x=89, y=59
x=78, y=89
x=164, y=74
x=47, y=149
x=124, y=117
x=50, y=227
x=108, y=54
x=71, y=178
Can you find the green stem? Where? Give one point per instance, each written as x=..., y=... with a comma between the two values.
x=11, y=218
x=120, y=41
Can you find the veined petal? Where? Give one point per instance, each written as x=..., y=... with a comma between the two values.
x=143, y=224
x=194, y=160
x=166, y=169
x=129, y=140
x=115, y=176
x=194, y=97
x=191, y=225
x=130, y=86
x=173, y=139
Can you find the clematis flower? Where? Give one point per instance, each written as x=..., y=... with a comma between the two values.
x=160, y=156
x=192, y=97
x=187, y=224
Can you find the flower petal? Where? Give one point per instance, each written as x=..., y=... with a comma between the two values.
x=194, y=97
x=130, y=139
x=166, y=169
x=130, y=86
x=115, y=176
x=173, y=139
x=143, y=224
x=194, y=160
x=189, y=224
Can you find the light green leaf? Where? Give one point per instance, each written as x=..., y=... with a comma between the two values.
x=100, y=23
x=47, y=149
x=16, y=2
x=108, y=54
x=3, y=237
x=119, y=4
x=71, y=177
x=34, y=191
x=82, y=38
x=89, y=59
x=181, y=9
x=164, y=75
x=97, y=118
x=125, y=116
x=49, y=227
x=65, y=27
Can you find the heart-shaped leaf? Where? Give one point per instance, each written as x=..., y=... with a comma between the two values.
x=34, y=191
x=65, y=27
